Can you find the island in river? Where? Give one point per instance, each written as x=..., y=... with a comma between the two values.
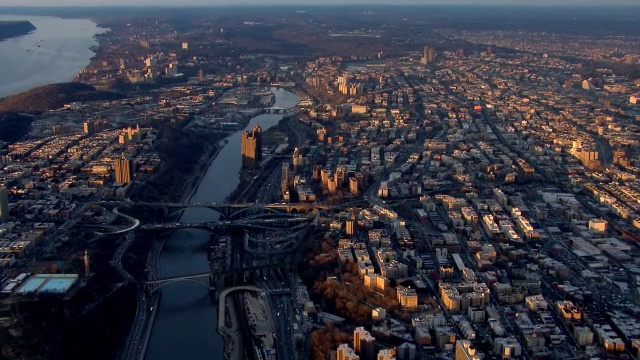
x=11, y=29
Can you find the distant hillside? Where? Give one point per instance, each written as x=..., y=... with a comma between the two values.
x=55, y=96
x=9, y=29
x=14, y=126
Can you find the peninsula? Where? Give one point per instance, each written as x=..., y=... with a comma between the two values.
x=10, y=29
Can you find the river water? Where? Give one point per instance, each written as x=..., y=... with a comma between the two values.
x=186, y=321
x=55, y=52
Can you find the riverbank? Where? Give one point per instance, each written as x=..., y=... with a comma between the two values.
x=192, y=184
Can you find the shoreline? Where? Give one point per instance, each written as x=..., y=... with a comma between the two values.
x=44, y=24
x=12, y=36
x=193, y=183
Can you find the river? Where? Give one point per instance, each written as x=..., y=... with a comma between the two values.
x=55, y=52
x=186, y=321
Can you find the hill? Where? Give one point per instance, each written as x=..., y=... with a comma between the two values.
x=9, y=29
x=54, y=96
x=14, y=126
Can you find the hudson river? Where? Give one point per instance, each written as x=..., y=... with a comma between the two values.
x=55, y=52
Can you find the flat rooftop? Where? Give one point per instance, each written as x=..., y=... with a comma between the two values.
x=47, y=284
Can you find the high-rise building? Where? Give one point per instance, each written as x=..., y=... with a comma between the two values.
x=367, y=347
x=509, y=347
x=353, y=185
x=251, y=148
x=88, y=127
x=257, y=131
x=428, y=55
x=343, y=84
x=91, y=127
x=387, y=354
x=340, y=176
x=432, y=54
x=364, y=344
x=406, y=351
x=324, y=177
x=298, y=159
x=344, y=352
x=465, y=351
x=378, y=314
x=322, y=134
x=123, y=170
x=358, y=333
x=285, y=176
x=4, y=204
x=130, y=134
x=351, y=225
x=407, y=297
x=171, y=69
x=332, y=186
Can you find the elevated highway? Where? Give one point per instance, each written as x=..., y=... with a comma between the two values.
x=273, y=224
x=228, y=210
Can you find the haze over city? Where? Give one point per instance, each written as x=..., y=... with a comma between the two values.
x=313, y=180
x=57, y=3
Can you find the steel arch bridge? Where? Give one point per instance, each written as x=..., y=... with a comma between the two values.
x=204, y=279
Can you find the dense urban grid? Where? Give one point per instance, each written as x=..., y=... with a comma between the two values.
x=439, y=189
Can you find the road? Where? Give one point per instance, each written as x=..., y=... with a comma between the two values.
x=282, y=312
x=133, y=226
x=117, y=258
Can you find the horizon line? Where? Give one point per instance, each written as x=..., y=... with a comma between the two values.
x=316, y=5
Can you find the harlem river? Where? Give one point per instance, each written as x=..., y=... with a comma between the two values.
x=185, y=325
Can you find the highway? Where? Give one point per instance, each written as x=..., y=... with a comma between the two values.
x=262, y=223
x=271, y=186
x=117, y=257
x=135, y=344
x=133, y=226
x=282, y=313
x=137, y=341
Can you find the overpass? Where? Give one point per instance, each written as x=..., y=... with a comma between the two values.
x=226, y=209
x=272, y=247
x=278, y=223
x=275, y=110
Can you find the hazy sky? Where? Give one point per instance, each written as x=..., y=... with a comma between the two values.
x=307, y=2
